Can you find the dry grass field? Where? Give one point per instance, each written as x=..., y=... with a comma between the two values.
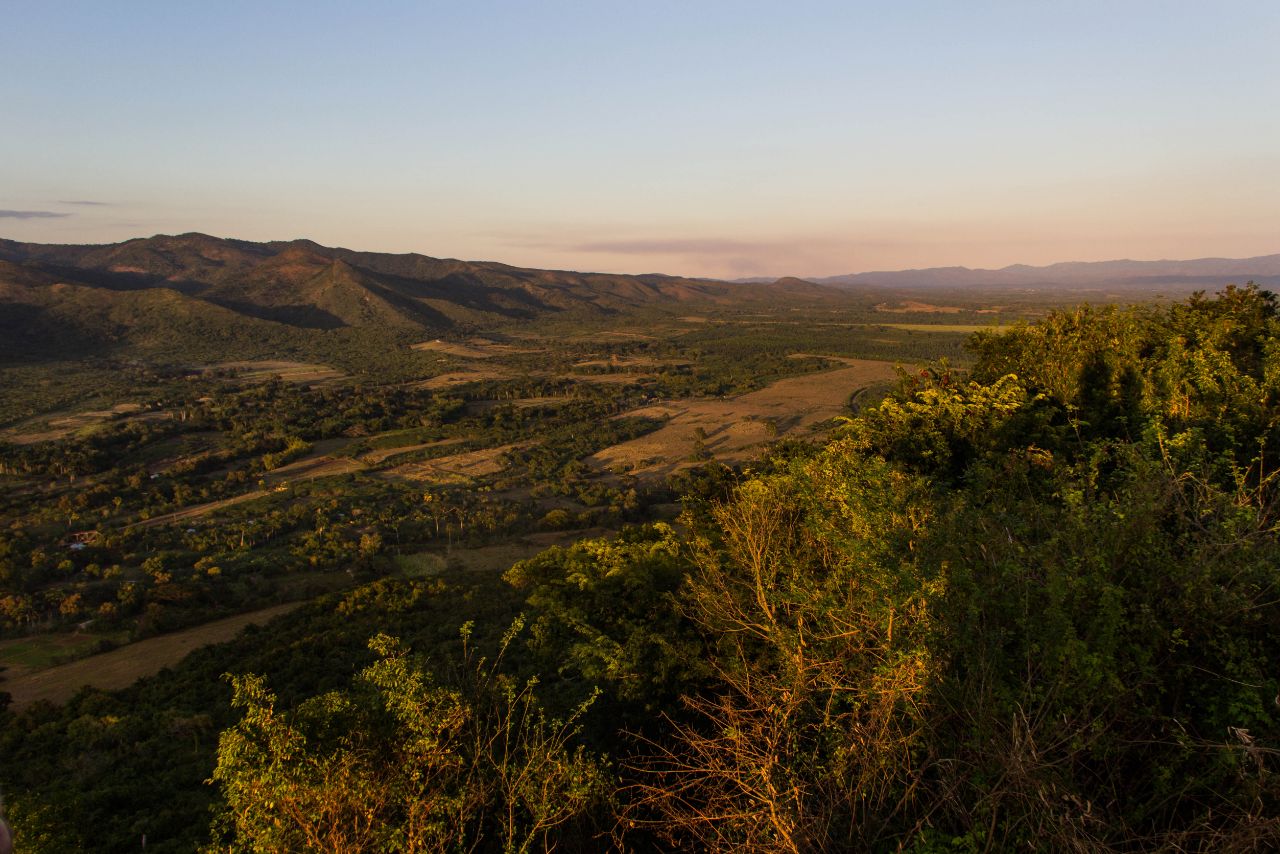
x=473, y=348
x=122, y=667
x=617, y=362
x=912, y=307
x=453, y=378
x=620, y=378
x=294, y=372
x=452, y=348
x=731, y=430
x=455, y=468
x=48, y=428
x=310, y=468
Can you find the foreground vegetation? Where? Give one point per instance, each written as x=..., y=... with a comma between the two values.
x=1028, y=605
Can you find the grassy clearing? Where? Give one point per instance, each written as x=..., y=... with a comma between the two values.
x=454, y=378
x=23, y=655
x=420, y=565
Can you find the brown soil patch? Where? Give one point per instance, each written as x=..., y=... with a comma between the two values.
x=120, y=668
x=733, y=429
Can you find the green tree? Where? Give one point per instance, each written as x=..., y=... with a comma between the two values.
x=399, y=762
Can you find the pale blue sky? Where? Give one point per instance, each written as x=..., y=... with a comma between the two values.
x=698, y=137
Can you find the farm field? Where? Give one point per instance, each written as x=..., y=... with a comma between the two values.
x=122, y=667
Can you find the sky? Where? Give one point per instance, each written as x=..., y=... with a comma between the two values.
x=724, y=139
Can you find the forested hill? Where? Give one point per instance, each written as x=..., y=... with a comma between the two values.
x=59, y=299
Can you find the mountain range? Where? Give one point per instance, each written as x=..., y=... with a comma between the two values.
x=145, y=292
x=1124, y=276
x=196, y=293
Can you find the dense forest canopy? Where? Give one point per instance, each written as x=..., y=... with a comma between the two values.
x=1030, y=605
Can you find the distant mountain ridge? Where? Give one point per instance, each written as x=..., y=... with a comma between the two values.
x=143, y=291
x=1122, y=275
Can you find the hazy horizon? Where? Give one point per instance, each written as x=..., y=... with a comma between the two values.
x=722, y=140
x=580, y=269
